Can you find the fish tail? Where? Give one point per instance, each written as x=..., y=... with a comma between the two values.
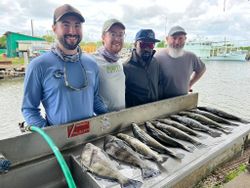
x=178, y=155
x=189, y=148
x=244, y=121
x=164, y=159
x=214, y=134
x=228, y=128
x=148, y=172
x=200, y=145
x=231, y=124
x=132, y=184
x=226, y=131
x=202, y=137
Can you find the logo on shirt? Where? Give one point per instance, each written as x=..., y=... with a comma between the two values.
x=113, y=68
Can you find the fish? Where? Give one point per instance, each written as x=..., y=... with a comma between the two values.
x=142, y=148
x=214, y=117
x=206, y=121
x=119, y=150
x=164, y=138
x=152, y=143
x=96, y=161
x=180, y=127
x=223, y=114
x=193, y=124
x=176, y=133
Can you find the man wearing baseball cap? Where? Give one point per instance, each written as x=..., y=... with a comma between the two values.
x=181, y=69
x=142, y=71
x=112, y=78
x=64, y=80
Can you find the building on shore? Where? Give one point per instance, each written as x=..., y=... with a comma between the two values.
x=17, y=44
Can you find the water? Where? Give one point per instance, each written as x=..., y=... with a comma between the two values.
x=225, y=85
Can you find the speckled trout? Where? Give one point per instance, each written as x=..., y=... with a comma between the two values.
x=98, y=163
x=142, y=148
x=176, y=133
x=195, y=125
x=154, y=144
x=119, y=150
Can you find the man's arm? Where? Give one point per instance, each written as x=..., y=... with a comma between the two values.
x=32, y=97
x=196, y=76
x=99, y=106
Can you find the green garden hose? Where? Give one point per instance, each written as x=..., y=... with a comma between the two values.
x=58, y=155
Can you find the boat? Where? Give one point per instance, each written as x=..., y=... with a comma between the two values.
x=34, y=165
x=217, y=51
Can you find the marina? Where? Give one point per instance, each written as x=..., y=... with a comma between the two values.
x=218, y=51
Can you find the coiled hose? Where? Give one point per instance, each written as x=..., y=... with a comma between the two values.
x=59, y=157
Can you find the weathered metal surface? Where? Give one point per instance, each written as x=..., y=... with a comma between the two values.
x=31, y=146
x=35, y=166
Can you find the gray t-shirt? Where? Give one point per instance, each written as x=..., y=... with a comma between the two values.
x=177, y=72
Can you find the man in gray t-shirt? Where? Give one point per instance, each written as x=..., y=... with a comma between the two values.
x=181, y=69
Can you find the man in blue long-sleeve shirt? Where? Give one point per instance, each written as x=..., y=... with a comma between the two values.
x=64, y=80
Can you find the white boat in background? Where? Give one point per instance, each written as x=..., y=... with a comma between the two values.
x=217, y=51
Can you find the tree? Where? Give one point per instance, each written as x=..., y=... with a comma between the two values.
x=49, y=38
x=160, y=44
x=3, y=42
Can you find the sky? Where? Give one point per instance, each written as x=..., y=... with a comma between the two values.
x=214, y=20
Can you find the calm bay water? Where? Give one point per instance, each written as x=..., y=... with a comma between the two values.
x=225, y=85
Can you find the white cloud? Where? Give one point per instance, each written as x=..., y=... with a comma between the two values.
x=200, y=18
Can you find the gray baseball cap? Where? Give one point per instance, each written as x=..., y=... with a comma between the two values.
x=176, y=29
x=67, y=9
x=109, y=23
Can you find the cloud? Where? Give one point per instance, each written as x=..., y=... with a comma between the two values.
x=200, y=18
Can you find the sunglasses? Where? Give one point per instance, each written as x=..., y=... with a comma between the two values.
x=85, y=79
x=149, y=45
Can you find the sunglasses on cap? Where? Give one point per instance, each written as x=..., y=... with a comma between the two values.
x=144, y=45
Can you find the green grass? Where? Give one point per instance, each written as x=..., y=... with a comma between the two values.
x=234, y=173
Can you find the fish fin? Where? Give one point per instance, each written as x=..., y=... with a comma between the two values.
x=132, y=184
x=214, y=134
x=148, y=172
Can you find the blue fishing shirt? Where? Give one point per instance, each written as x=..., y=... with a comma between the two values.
x=45, y=83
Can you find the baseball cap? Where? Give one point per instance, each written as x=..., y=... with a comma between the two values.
x=146, y=35
x=176, y=29
x=109, y=23
x=67, y=9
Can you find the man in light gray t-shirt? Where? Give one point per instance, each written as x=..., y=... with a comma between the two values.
x=181, y=69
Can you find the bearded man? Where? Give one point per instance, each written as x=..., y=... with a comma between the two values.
x=64, y=80
x=181, y=69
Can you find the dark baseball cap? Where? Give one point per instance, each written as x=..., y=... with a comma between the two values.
x=146, y=35
x=67, y=9
x=176, y=30
x=109, y=23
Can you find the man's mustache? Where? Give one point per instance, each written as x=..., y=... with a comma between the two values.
x=77, y=36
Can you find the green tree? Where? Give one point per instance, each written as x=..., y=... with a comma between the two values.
x=160, y=44
x=3, y=42
x=49, y=38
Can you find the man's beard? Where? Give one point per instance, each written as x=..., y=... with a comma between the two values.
x=146, y=56
x=67, y=45
x=175, y=52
